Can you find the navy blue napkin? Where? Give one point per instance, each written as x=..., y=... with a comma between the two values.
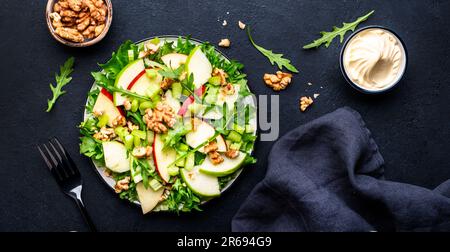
x=328, y=176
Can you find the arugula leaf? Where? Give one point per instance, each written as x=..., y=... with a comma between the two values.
x=273, y=57
x=327, y=37
x=119, y=59
x=171, y=73
x=175, y=135
x=232, y=68
x=181, y=198
x=61, y=80
x=184, y=47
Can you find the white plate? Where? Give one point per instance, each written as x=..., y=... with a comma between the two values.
x=171, y=38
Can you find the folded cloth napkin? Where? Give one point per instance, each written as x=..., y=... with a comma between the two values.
x=328, y=176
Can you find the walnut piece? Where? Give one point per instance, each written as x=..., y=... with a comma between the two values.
x=127, y=105
x=215, y=157
x=160, y=118
x=210, y=147
x=78, y=20
x=232, y=153
x=166, y=83
x=122, y=185
x=241, y=25
x=221, y=73
x=224, y=43
x=142, y=152
x=305, y=102
x=228, y=89
x=105, y=134
x=119, y=121
x=278, y=81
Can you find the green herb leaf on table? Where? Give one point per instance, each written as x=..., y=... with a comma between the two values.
x=273, y=57
x=327, y=37
x=61, y=80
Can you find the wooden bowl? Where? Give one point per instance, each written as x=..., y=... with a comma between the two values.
x=85, y=43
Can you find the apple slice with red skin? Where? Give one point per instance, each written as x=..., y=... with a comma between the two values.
x=198, y=92
x=163, y=158
x=105, y=105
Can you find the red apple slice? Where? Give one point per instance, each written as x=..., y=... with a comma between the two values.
x=105, y=105
x=198, y=92
x=163, y=157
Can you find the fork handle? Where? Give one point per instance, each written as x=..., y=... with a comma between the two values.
x=85, y=214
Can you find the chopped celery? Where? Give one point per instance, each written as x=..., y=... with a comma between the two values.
x=102, y=120
x=173, y=171
x=186, y=92
x=180, y=162
x=139, y=133
x=144, y=106
x=211, y=96
x=238, y=128
x=236, y=146
x=234, y=136
x=155, y=185
x=183, y=147
x=128, y=141
x=136, y=141
x=153, y=90
x=130, y=55
x=215, y=80
x=176, y=90
x=121, y=132
x=151, y=73
x=190, y=161
x=134, y=105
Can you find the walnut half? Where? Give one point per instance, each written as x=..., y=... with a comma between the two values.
x=278, y=81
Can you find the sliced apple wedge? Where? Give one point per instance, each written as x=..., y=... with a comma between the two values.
x=129, y=74
x=227, y=167
x=203, y=132
x=148, y=198
x=104, y=105
x=163, y=157
x=116, y=157
x=198, y=64
x=201, y=184
x=174, y=60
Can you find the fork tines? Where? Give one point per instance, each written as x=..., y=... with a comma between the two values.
x=57, y=160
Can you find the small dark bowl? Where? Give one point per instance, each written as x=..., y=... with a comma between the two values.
x=355, y=85
x=49, y=9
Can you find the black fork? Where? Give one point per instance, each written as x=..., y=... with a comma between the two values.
x=65, y=173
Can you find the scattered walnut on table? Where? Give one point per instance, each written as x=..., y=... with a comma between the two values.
x=305, y=102
x=225, y=43
x=278, y=81
x=241, y=25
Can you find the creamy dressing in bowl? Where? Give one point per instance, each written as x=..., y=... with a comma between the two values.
x=374, y=59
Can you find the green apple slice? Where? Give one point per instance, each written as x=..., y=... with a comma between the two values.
x=163, y=157
x=105, y=105
x=125, y=77
x=227, y=167
x=201, y=184
x=148, y=198
x=174, y=60
x=116, y=157
x=198, y=64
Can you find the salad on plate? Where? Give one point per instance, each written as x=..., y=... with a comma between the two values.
x=169, y=123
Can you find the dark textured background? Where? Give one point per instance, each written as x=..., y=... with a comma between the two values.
x=410, y=124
